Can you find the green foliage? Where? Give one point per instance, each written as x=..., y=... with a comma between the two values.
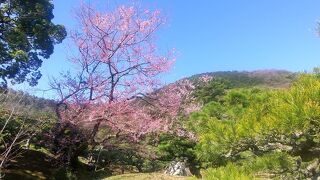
x=172, y=147
x=120, y=157
x=22, y=111
x=228, y=172
x=28, y=124
x=261, y=78
x=211, y=91
x=27, y=36
x=253, y=166
x=258, y=122
x=271, y=162
x=217, y=123
x=22, y=125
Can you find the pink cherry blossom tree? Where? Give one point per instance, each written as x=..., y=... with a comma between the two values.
x=117, y=66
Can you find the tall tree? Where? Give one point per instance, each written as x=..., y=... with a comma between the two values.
x=27, y=36
x=117, y=66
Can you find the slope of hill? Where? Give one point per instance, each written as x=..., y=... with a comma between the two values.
x=25, y=104
x=264, y=78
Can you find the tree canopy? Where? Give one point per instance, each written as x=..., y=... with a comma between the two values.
x=27, y=36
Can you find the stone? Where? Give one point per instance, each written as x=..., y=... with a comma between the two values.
x=177, y=168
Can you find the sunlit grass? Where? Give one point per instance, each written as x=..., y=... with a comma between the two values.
x=146, y=176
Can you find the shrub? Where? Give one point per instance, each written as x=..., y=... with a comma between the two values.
x=228, y=172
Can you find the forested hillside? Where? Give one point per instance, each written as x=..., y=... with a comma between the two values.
x=266, y=78
x=26, y=103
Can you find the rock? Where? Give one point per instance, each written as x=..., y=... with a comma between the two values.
x=297, y=135
x=280, y=147
x=313, y=167
x=177, y=168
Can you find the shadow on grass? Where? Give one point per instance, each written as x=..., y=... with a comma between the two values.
x=34, y=165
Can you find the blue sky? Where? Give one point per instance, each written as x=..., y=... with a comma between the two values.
x=216, y=35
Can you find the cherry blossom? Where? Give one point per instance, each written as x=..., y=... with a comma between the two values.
x=117, y=73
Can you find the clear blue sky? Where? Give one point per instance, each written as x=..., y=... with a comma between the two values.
x=215, y=35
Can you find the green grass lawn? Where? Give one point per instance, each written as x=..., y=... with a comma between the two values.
x=146, y=176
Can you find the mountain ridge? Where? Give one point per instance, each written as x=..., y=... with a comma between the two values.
x=272, y=78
